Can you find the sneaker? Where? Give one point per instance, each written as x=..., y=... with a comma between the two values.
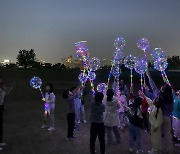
x=2, y=144
x=51, y=128
x=151, y=152
x=43, y=126
x=131, y=150
x=85, y=122
x=79, y=121
x=139, y=151
x=145, y=131
x=1, y=148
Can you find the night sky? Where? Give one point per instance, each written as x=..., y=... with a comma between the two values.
x=51, y=27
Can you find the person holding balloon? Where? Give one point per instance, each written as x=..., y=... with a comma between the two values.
x=70, y=97
x=165, y=94
x=49, y=107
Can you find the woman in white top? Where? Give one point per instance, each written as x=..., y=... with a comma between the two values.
x=111, y=116
x=49, y=107
x=156, y=121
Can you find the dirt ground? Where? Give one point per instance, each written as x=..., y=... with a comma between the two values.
x=23, y=118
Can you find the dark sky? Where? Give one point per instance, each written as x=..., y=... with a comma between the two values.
x=51, y=27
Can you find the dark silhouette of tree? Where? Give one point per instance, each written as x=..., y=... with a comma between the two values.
x=59, y=66
x=173, y=62
x=26, y=58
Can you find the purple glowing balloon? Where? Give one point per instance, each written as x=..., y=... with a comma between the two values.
x=143, y=44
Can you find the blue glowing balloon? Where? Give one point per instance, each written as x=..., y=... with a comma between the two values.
x=160, y=64
x=157, y=53
x=82, y=77
x=119, y=43
x=94, y=64
x=91, y=75
x=129, y=61
x=36, y=82
x=118, y=55
x=141, y=65
x=116, y=71
x=143, y=44
x=101, y=87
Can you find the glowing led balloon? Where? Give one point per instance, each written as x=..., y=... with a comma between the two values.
x=157, y=53
x=119, y=43
x=94, y=64
x=116, y=72
x=143, y=44
x=160, y=64
x=82, y=50
x=129, y=61
x=36, y=82
x=101, y=87
x=91, y=75
x=82, y=77
x=82, y=45
x=82, y=54
x=141, y=65
x=118, y=55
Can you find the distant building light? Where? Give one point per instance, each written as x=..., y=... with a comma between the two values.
x=6, y=61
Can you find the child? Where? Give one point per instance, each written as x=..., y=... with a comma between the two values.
x=70, y=97
x=144, y=108
x=135, y=125
x=156, y=120
x=49, y=107
x=176, y=117
x=3, y=91
x=111, y=116
x=97, y=124
x=123, y=104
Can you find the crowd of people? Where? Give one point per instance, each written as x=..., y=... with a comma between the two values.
x=156, y=111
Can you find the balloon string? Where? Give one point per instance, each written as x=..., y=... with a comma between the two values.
x=145, y=53
x=42, y=95
x=141, y=80
x=131, y=87
x=144, y=78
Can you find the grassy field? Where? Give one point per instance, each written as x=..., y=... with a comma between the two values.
x=23, y=114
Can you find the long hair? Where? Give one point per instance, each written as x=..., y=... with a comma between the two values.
x=51, y=88
x=158, y=104
x=167, y=94
x=110, y=94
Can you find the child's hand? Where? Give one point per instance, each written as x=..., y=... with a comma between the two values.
x=43, y=99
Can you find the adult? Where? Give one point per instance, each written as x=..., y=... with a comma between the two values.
x=111, y=118
x=166, y=96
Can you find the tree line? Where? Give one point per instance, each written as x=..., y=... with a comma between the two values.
x=27, y=59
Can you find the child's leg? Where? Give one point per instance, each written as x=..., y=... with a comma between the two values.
x=117, y=134
x=83, y=112
x=145, y=119
x=109, y=135
x=93, y=135
x=71, y=120
x=52, y=116
x=138, y=137
x=121, y=119
x=156, y=139
x=101, y=136
x=131, y=135
x=77, y=113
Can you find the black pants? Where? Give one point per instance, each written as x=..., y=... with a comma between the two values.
x=97, y=129
x=145, y=119
x=71, y=122
x=1, y=122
